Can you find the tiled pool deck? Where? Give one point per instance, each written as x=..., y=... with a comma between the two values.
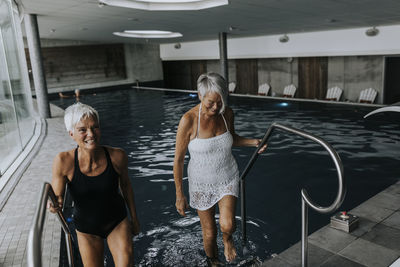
x=375, y=243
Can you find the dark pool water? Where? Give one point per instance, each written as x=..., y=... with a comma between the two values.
x=144, y=123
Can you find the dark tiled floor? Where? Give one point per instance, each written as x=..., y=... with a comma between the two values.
x=375, y=243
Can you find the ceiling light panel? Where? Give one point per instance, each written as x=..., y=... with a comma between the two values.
x=148, y=34
x=166, y=5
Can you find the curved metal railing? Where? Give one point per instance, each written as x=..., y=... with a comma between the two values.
x=34, y=245
x=305, y=199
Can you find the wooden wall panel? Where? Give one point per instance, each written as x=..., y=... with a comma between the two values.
x=313, y=77
x=392, y=80
x=198, y=67
x=177, y=74
x=183, y=74
x=246, y=76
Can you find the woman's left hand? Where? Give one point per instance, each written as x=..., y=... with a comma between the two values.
x=135, y=227
x=257, y=143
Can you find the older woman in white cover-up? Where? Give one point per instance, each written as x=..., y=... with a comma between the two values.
x=207, y=130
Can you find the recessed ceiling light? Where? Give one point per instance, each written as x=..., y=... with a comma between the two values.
x=372, y=31
x=148, y=34
x=284, y=38
x=166, y=4
x=232, y=28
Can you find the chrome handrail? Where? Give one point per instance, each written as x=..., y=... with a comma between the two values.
x=34, y=245
x=305, y=199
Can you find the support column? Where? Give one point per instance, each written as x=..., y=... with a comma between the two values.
x=223, y=56
x=35, y=54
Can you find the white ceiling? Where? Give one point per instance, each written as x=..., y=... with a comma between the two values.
x=85, y=20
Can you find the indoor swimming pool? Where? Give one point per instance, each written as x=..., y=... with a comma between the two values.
x=144, y=123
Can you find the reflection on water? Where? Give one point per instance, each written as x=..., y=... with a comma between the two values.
x=144, y=124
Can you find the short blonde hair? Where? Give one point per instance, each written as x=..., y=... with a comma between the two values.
x=76, y=112
x=213, y=82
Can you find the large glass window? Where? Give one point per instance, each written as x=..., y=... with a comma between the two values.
x=16, y=122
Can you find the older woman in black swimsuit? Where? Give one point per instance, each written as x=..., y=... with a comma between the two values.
x=95, y=174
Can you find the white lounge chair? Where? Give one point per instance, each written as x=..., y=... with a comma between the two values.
x=232, y=87
x=367, y=96
x=333, y=93
x=263, y=89
x=289, y=91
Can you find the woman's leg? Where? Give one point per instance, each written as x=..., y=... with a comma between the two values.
x=91, y=248
x=209, y=229
x=121, y=244
x=227, y=224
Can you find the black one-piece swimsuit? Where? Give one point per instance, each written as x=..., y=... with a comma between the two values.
x=98, y=205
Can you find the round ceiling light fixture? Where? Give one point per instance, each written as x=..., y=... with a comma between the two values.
x=166, y=4
x=372, y=32
x=284, y=38
x=148, y=34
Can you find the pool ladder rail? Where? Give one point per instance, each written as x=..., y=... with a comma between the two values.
x=305, y=199
x=34, y=244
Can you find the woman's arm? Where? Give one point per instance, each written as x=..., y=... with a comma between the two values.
x=59, y=180
x=181, y=145
x=121, y=164
x=239, y=140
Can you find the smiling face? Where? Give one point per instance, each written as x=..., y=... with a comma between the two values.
x=86, y=133
x=212, y=103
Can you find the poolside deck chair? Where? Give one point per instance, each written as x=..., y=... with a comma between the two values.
x=289, y=91
x=333, y=93
x=263, y=89
x=367, y=96
x=232, y=87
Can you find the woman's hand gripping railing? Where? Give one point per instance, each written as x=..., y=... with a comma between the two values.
x=34, y=251
x=305, y=198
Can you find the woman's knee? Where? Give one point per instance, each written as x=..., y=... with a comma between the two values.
x=227, y=226
x=123, y=254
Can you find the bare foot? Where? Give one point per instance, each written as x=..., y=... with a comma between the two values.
x=229, y=250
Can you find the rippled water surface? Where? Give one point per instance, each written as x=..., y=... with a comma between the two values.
x=144, y=123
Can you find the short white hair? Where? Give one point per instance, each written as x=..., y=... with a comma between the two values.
x=213, y=82
x=76, y=112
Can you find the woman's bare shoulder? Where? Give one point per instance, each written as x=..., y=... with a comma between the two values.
x=189, y=117
x=64, y=161
x=119, y=158
x=117, y=154
x=66, y=156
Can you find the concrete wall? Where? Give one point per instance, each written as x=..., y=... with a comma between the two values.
x=73, y=65
x=68, y=66
x=348, y=42
x=215, y=66
x=143, y=62
x=355, y=73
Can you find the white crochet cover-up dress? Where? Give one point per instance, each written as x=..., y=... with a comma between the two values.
x=212, y=170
